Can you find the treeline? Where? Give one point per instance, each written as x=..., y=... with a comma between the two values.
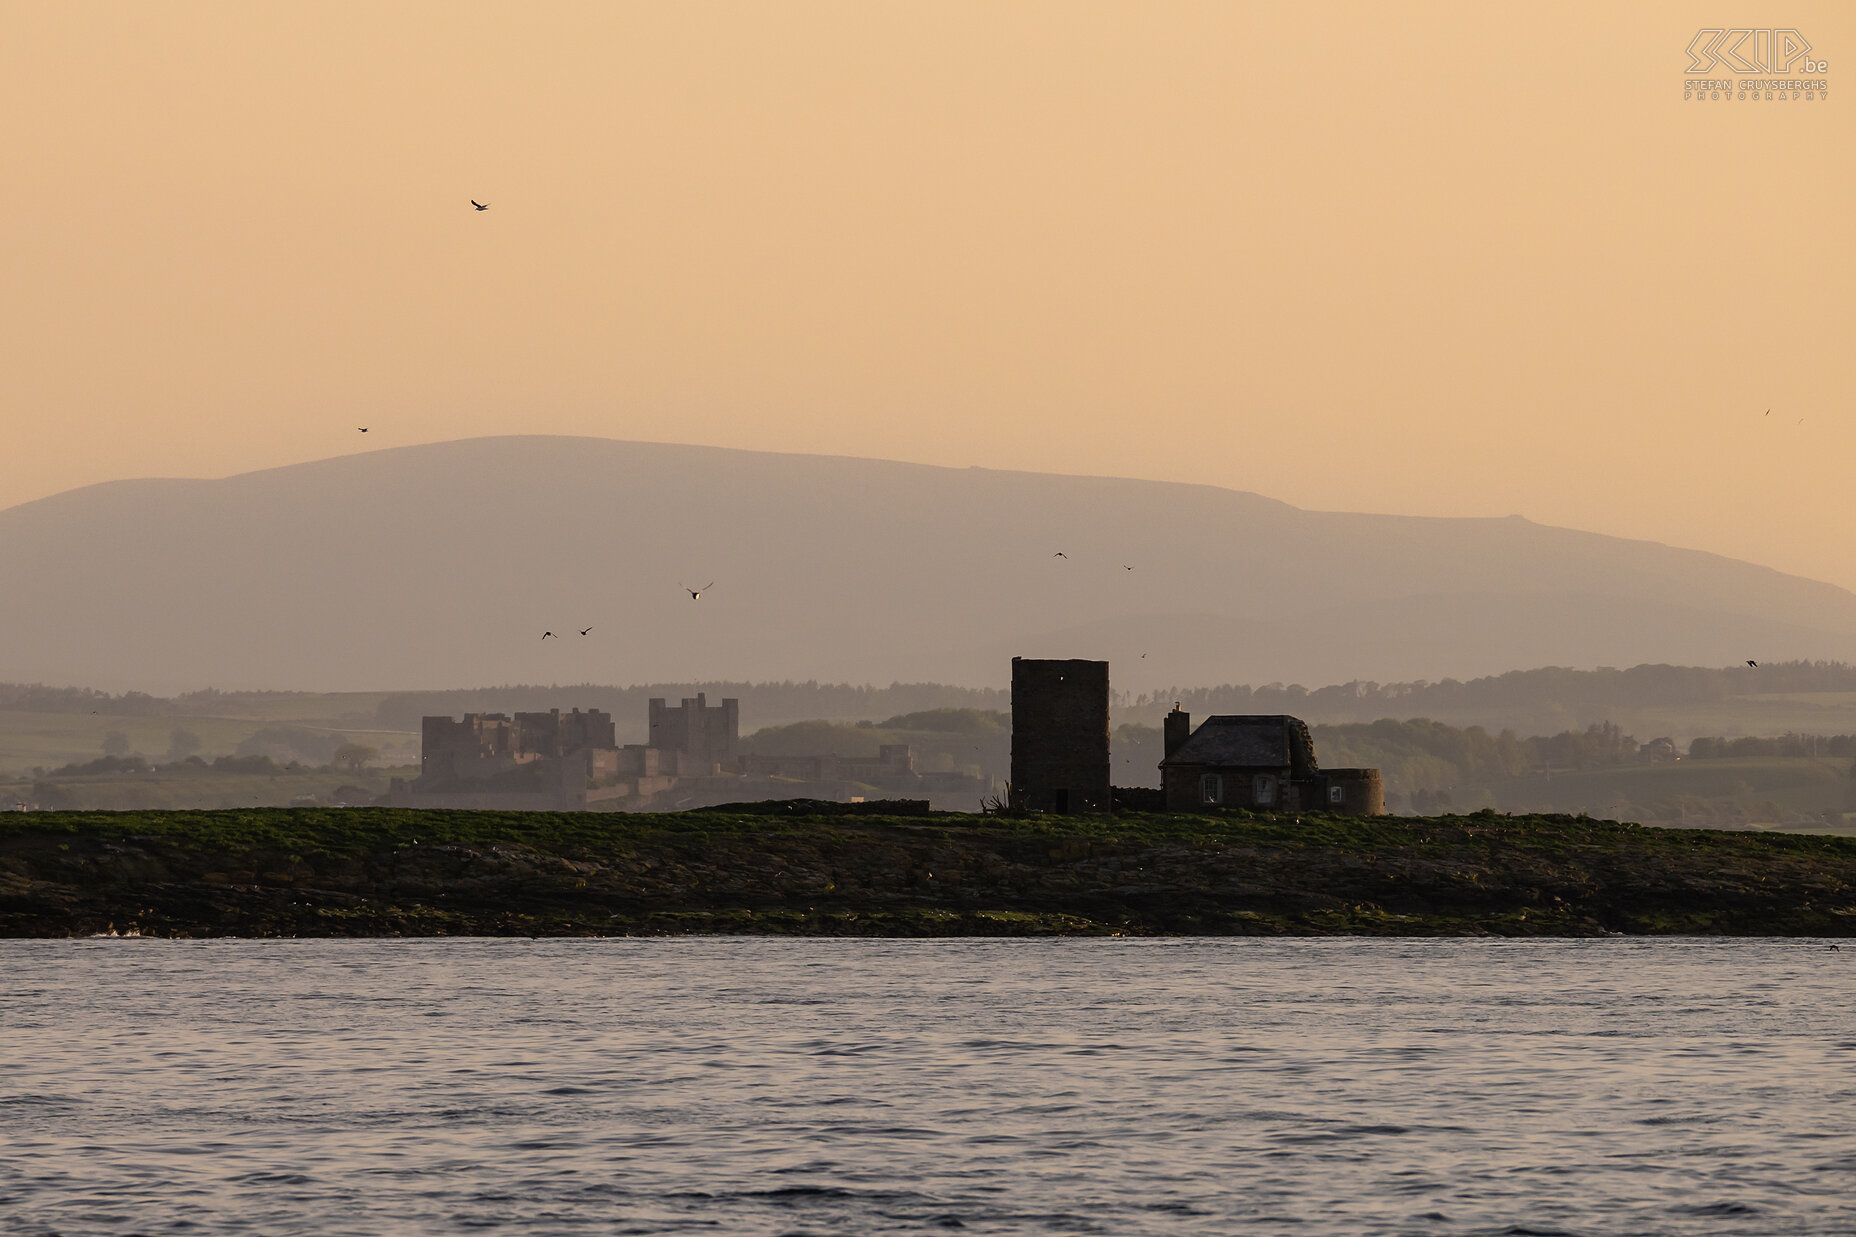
x=1542, y=689
x=1424, y=760
x=234, y=765
x=1546, y=688
x=810, y=699
x=1717, y=748
x=402, y=710
x=1423, y=754
x=38, y=698
x=978, y=738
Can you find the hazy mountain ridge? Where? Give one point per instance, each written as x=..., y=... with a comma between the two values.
x=421, y=566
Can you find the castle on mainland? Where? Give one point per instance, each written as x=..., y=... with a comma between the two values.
x=572, y=761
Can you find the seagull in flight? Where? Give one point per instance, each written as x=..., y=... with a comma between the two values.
x=1060, y=554
x=1752, y=663
x=548, y=635
x=696, y=593
x=362, y=428
x=480, y=205
x=584, y=630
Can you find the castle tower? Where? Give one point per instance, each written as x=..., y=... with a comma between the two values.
x=1060, y=735
x=707, y=735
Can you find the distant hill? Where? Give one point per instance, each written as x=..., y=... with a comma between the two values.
x=432, y=565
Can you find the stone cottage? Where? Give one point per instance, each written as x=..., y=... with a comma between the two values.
x=1264, y=763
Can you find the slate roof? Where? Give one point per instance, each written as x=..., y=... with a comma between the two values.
x=1269, y=741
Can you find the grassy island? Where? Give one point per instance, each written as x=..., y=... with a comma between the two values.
x=387, y=872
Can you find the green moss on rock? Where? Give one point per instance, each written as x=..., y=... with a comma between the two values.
x=396, y=872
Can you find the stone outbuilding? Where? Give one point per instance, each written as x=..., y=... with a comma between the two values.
x=1265, y=763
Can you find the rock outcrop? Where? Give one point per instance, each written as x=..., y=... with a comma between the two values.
x=381, y=872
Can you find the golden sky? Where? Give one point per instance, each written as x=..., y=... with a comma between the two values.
x=1473, y=259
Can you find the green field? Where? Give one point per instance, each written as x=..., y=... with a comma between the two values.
x=178, y=788
x=1797, y=794
x=31, y=739
x=1789, y=713
x=1778, y=713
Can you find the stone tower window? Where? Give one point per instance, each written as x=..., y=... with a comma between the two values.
x=1337, y=794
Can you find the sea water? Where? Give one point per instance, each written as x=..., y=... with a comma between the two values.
x=775, y=1086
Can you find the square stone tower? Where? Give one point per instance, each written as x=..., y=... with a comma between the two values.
x=705, y=734
x=1060, y=735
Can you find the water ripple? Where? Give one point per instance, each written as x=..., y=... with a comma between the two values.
x=767, y=1087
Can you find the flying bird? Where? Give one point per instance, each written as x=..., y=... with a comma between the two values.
x=584, y=630
x=480, y=205
x=1125, y=567
x=548, y=635
x=1752, y=663
x=362, y=428
x=1060, y=554
x=696, y=593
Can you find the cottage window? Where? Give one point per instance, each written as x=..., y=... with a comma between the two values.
x=1264, y=790
x=1337, y=793
x=1211, y=788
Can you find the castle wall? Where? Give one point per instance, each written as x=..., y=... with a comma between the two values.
x=555, y=733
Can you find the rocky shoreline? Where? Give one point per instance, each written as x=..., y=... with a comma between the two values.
x=384, y=872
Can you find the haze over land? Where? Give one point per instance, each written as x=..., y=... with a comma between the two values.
x=442, y=565
x=1453, y=261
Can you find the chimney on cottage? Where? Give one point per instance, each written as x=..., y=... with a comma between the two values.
x=1178, y=729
